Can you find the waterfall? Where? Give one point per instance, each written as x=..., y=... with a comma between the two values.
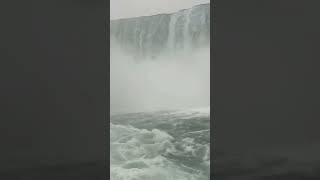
x=160, y=96
x=186, y=29
x=164, y=33
x=172, y=31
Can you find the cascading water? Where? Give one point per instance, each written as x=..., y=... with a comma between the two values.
x=172, y=31
x=186, y=29
x=159, y=79
x=154, y=35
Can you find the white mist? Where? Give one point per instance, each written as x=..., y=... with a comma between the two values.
x=168, y=82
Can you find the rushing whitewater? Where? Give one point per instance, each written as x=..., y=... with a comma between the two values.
x=160, y=76
x=161, y=145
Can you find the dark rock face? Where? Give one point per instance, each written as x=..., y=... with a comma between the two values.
x=163, y=33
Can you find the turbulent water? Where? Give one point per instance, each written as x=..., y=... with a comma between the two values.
x=160, y=64
x=160, y=145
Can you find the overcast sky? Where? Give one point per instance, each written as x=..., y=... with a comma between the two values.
x=134, y=8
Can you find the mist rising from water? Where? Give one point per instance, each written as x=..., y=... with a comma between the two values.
x=166, y=82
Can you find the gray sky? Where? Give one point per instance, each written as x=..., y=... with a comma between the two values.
x=134, y=8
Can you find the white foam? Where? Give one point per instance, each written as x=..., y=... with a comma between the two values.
x=140, y=154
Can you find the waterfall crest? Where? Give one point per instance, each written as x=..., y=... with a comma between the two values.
x=150, y=36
